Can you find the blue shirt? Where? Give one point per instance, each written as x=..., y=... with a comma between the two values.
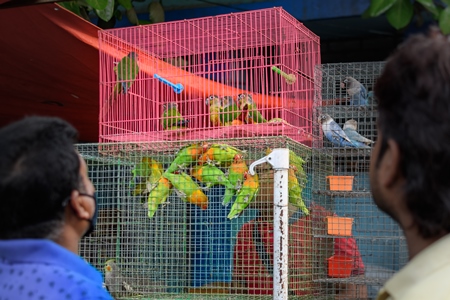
x=42, y=270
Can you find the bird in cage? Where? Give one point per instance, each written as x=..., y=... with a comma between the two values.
x=294, y=160
x=215, y=107
x=356, y=91
x=187, y=156
x=115, y=282
x=146, y=175
x=246, y=194
x=220, y=154
x=187, y=189
x=156, y=12
x=158, y=195
x=295, y=190
x=236, y=173
x=334, y=133
x=172, y=118
x=126, y=72
x=254, y=115
x=350, y=128
x=230, y=112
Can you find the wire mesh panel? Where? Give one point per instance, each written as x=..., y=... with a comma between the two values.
x=345, y=113
x=243, y=74
x=181, y=245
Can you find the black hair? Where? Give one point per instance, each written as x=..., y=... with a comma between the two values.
x=413, y=95
x=39, y=169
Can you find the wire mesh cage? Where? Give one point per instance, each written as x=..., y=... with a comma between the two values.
x=190, y=249
x=246, y=74
x=345, y=113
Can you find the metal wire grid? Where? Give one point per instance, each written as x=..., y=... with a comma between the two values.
x=225, y=56
x=184, y=251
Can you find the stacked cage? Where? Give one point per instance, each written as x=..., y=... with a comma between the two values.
x=183, y=248
x=238, y=75
x=346, y=112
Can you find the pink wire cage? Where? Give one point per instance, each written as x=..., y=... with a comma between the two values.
x=266, y=54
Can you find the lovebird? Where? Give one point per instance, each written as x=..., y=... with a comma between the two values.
x=246, y=194
x=334, y=133
x=172, y=118
x=186, y=156
x=115, y=282
x=187, y=189
x=254, y=115
x=356, y=91
x=219, y=153
x=295, y=191
x=230, y=112
x=215, y=108
x=236, y=173
x=146, y=175
x=350, y=128
x=294, y=160
x=158, y=195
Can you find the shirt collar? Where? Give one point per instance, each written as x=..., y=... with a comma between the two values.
x=46, y=252
x=424, y=263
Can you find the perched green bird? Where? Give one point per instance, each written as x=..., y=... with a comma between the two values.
x=187, y=156
x=254, y=115
x=294, y=160
x=215, y=108
x=245, y=195
x=172, y=118
x=229, y=112
x=187, y=189
x=146, y=175
x=221, y=154
x=158, y=195
x=295, y=191
x=126, y=72
x=235, y=176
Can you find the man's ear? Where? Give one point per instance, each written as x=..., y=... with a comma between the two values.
x=390, y=164
x=79, y=205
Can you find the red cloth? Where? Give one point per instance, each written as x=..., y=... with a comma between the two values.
x=250, y=270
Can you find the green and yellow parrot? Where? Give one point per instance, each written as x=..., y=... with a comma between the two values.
x=158, y=195
x=147, y=174
x=245, y=195
x=254, y=115
x=187, y=189
x=294, y=160
x=215, y=107
x=187, y=156
x=236, y=175
x=172, y=118
x=126, y=72
x=230, y=112
x=295, y=191
x=219, y=153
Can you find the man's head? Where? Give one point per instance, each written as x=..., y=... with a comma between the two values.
x=411, y=161
x=41, y=178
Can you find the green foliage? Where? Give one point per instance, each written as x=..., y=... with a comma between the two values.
x=400, y=13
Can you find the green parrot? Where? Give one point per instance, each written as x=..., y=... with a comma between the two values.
x=187, y=156
x=220, y=153
x=172, y=118
x=215, y=107
x=245, y=195
x=126, y=72
x=187, y=189
x=158, y=195
x=294, y=160
x=211, y=175
x=230, y=111
x=254, y=115
x=147, y=173
x=295, y=191
x=236, y=175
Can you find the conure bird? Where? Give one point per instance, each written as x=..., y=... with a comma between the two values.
x=295, y=191
x=219, y=153
x=187, y=156
x=146, y=175
x=158, y=195
x=254, y=114
x=245, y=195
x=294, y=160
x=236, y=175
x=230, y=111
x=211, y=175
x=156, y=12
x=172, y=118
x=187, y=189
x=126, y=72
x=215, y=107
